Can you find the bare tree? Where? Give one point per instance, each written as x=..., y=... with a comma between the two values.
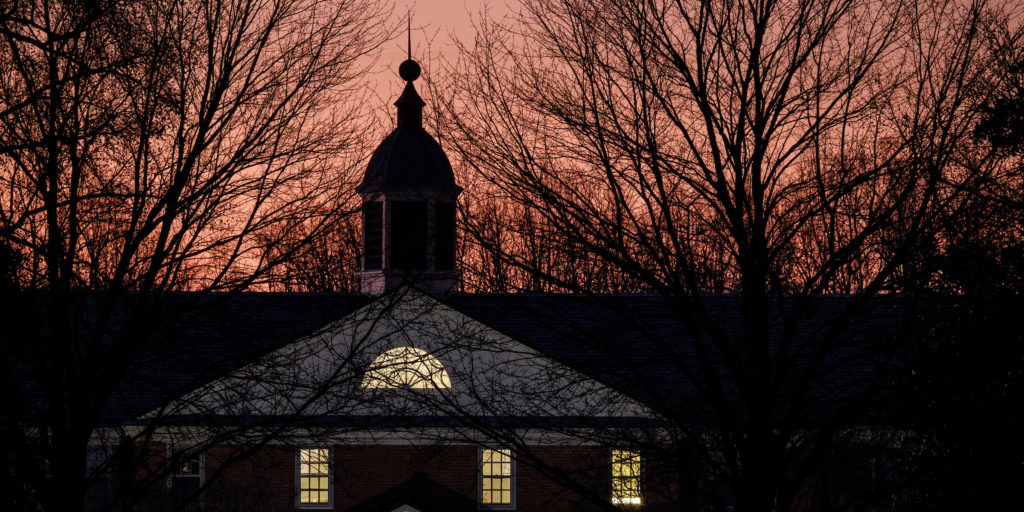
x=145, y=148
x=775, y=151
x=501, y=228
x=966, y=384
x=326, y=263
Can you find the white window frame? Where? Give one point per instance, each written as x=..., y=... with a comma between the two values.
x=200, y=475
x=480, y=481
x=172, y=455
x=638, y=478
x=299, y=475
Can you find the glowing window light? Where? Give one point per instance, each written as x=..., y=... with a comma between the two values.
x=496, y=478
x=625, y=477
x=314, y=476
x=406, y=367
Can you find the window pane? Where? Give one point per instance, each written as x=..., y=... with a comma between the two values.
x=407, y=367
x=318, y=455
x=496, y=484
x=625, y=477
x=314, y=471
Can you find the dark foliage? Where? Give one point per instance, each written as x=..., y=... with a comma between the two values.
x=1002, y=123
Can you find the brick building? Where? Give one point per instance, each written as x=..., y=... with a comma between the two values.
x=408, y=397
x=404, y=397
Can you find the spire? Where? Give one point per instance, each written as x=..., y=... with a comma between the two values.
x=410, y=105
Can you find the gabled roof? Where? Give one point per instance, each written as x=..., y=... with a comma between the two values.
x=627, y=342
x=641, y=346
x=220, y=334
x=420, y=492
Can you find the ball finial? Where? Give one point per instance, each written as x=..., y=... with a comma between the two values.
x=409, y=70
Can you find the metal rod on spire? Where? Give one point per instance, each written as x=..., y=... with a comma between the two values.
x=410, y=69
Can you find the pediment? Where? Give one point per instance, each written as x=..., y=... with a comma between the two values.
x=485, y=372
x=406, y=508
x=417, y=494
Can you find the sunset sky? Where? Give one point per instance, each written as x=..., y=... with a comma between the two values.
x=687, y=255
x=436, y=25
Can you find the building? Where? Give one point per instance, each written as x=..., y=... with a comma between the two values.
x=411, y=398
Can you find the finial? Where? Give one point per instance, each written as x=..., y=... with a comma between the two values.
x=410, y=69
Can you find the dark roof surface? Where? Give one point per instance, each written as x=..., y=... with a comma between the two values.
x=225, y=333
x=643, y=346
x=408, y=158
x=421, y=492
x=637, y=344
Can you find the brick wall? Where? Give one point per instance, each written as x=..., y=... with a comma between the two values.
x=382, y=477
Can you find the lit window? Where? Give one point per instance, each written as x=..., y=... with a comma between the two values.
x=497, y=479
x=625, y=477
x=406, y=367
x=188, y=468
x=314, y=477
x=186, y=479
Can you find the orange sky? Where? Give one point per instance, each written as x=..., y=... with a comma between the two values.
x=436, y=24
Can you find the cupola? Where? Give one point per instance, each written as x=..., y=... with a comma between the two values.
x=408, y=203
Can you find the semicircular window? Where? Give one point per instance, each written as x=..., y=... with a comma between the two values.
x=406, y=367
